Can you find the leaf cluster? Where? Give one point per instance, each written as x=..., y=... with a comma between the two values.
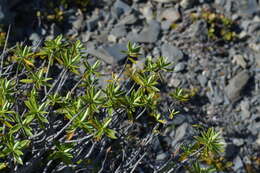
x=219, y=26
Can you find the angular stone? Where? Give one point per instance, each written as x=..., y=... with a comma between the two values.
x=237, y=163
x=179, y=119
x=257, y=60
x=116, y=51
x=166, y=25
x=236, y=84
x=172, y=53
x=248, y=7
x=239, y=60
x=170, y=14
x=165, y=1
x=77, y=21
x=92, y=23
x=111, y=38
x=199, y=30
x=161, y=156
x=148, y=34
x=147, y=12
x=120, y=8
x=180, y=133
x=102, y=54
x=203, y=80
x=128, y=20
x=35, y=38
x=258, y=140
x=85, y=36
x=187, y=3
x=118, y=31
x=179, y=67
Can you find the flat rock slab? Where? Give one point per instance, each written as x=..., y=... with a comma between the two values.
x=248, y=7
x=110, y=54
x=116, y=51
x=148, y=35
x=172, y=53
x=236, y=84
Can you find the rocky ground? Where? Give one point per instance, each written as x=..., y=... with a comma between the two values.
x=227, y=73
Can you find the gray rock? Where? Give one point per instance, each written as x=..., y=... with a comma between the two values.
x=172, y=53
x=179, y=67
x=77, y=21
x=238, y=142
x=85, y=36
x=203, y=80
x=111, y=38
x=162, y=156
x=258, y=140
x=239, y=60
x=170, y=14
x=179, y=119
x=180, y=133
x=257, y=60
x=120, y=8
x=54, y=31
x=102, y=54
x=199, y=30
x=92, y=23
x=245, y=24
x=148, y=34
x=248, y=7
x=236, y=84
x=147, y=12
x=220, y=2
x=244, y=106
x=156, y=145
x=118, y=31
x=214, y=95
x=166, y=25
x=165, y=1
x=187, y=3
x=237, y=163
x=35, y=38
x=156, y=52
x=116, y=51
x=231, y=151
x=254, y=128
x=128, y=20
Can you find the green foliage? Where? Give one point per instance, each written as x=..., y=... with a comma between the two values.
x=2, y=39
x=55, y=11
x=62, y=152
x=183, y=95
x=210, y=140
x=196, y=168
x=38, y=79
x=35, y=102
x=13, y=147
x=219, y=26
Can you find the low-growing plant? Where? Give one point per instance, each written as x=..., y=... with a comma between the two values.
x=50, y=120
x=55, y=11
x=219, y=26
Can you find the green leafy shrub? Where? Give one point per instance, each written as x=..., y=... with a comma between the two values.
x=49, y=119
x=54, y=11
x=219, y=26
